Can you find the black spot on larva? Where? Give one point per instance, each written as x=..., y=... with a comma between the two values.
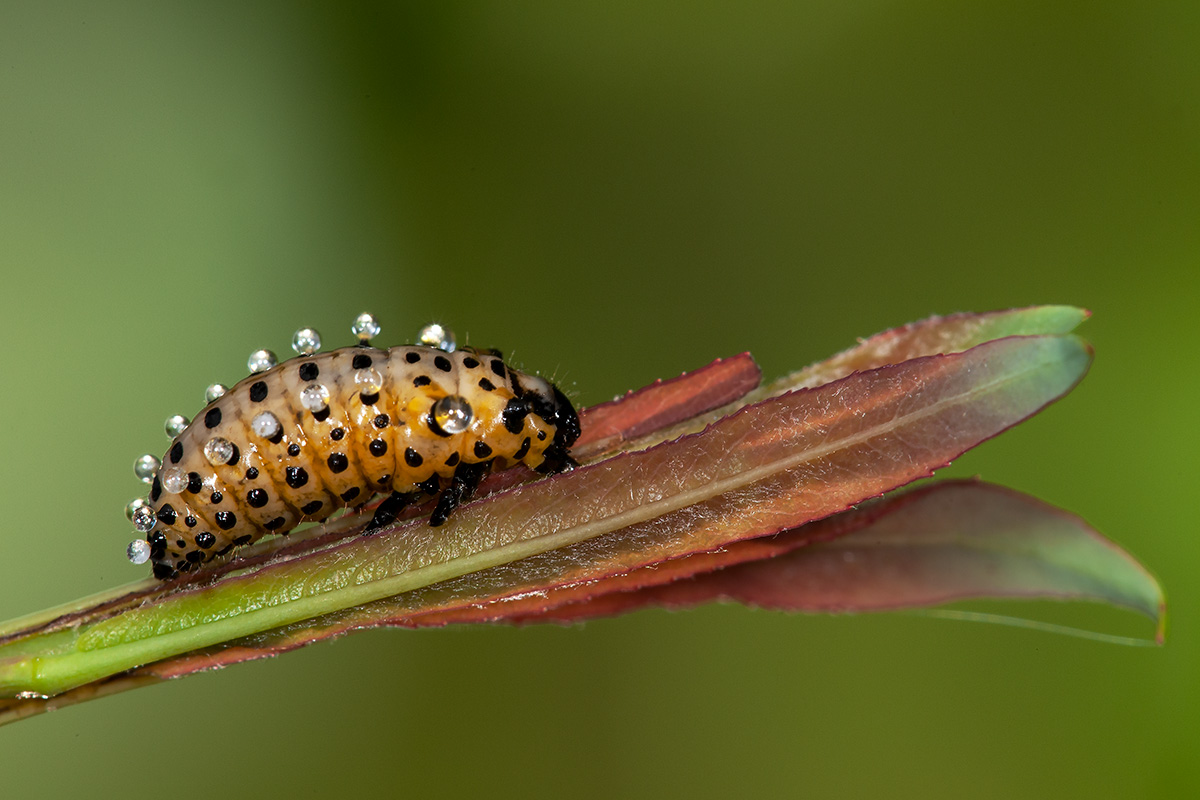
x=155, y=489
x=384, y=480
x=164, y=571
x=430, y=485
x=237, y=455
x=190, y=521
x=213, y=418
x=293, y=449
x=487, y=385
x=482, y=450
x=350, y=494
x=381, y=421
x=498, y=367
x=541, y=436
x=361, y=361
x=186, y=566
x=452, y=460
x=194, y=556
x=225, y=549
x=157, y=539
x=311, y=508
x=378, y=447
x=166, y=515
x=309, y=371
x=176, y=452
x=251, y=474
x=412, y=356
x=278, y=437
x=274, y=524
x=247, y=537
x=522, y=451
x=296, y=477
x=337, y=433
x=180, y=543
x=216, y=497
x=514, y=414
x=205, y=540
x=257, y=498
x=442, y=363
x=322, y=415
x=258, y=391
x=422, y=380
x=194, y=483
x=470, y=363
x=412, y=458
x=337, y=462
x=226, y=520
x=368, y=399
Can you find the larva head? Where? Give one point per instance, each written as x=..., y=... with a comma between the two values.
x=549, y=403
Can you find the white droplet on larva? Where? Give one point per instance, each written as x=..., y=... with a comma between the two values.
x=266, y=425
x=314, y=397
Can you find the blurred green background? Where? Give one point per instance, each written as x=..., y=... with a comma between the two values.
x=611, y=193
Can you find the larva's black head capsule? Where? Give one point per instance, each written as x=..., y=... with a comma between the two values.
x=551, y=405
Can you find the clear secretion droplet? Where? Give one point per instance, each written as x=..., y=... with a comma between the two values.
x=260, y=361
x=138, y=551
x=145, y=467
x=218, y=450
x=435, y=335
x=143, y=519
x=452, y=414
x=365, y=327
x=176, y=425
x=133, y=506
x=306, y=341
x=368, y=381
x=215, y=391
x=174, y=480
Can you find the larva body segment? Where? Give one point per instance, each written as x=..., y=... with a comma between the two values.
x=322, y=431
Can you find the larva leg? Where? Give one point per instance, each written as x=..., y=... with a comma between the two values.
x=388, y=510
x=556, y=460
x=466, y=479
